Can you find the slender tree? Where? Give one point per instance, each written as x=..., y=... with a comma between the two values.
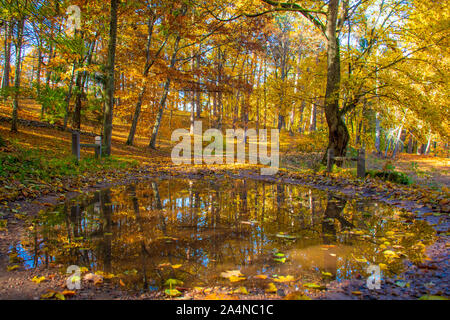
x=109, y=107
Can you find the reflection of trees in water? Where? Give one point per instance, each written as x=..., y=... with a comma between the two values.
x=334, y=209
x=206, y=220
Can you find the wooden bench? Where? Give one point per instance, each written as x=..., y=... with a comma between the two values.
x=360, y=161
x=76, y=146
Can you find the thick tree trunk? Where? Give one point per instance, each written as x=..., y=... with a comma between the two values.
x=109, y=107
x=17, y=74
x=338, y=136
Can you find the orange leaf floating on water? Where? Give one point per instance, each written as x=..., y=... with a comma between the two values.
x=68, y=293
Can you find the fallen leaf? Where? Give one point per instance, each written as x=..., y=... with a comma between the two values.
x=430, y=297
x=313, y=286
x=68, y=293
x=271, y=288
x=12, y=268
x=173, y=282
x=37, y=279
x=236, y=279
x=228, y=274
x=284, y=279
x=241, y=290
x=172, y=292
x=296, y=296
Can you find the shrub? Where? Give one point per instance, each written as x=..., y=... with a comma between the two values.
x=391, y=175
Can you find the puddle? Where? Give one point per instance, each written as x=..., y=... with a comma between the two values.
x=193, y=230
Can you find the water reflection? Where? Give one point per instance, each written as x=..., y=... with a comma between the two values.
x=207, y=227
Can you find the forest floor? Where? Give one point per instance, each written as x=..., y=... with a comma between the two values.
x=23, y=196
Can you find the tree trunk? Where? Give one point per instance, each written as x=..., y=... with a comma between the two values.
x=109, y=107
x=137, y=112
x=162, y=103
x=69, y=96
x=338, y=135
x=313, y=118
x=76, y=122
x=7, y=54
x=148, y=63
x=378, y=133
x=38, y=72
x=17, y=74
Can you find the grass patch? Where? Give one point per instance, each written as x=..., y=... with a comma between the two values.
x=391, y=175
x=27, y=165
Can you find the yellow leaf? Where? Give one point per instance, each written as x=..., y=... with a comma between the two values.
x=234, y=273
x=241, y=290
x=296, y=296
x=236, y=279
x=356, y=293
x=59, y=296
x=37, y=279
x=382, y=266
x=108, y=275
x=361, y=260
x=84, y=269
x=271, y=288
x=176, y=266
x=12, y=268
x=173, y=292
x=260, y=276
x=284, y=279
x=390, y=253
x=48, y=295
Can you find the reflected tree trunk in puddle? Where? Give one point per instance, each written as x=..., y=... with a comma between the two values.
x=106, y=205
x=134, y=200
x=312, y=207
x=158, y=206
